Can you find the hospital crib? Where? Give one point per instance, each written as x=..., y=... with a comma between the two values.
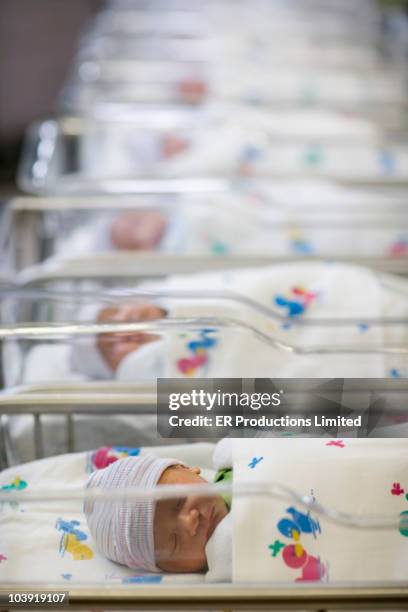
x=54, y=511
x=112, y=62
x=66, y=406
x=364, y=228
x=50, y=329
x=64, y=155
x=187, y=21
x=105, y=43
x=133, y=82
x=41, y=321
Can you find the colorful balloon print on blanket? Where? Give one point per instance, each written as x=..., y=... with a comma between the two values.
x=399, y=248
x=296, y=302
x=294, y=554
x=248, y=158
x=72, y=540
x=387, y=162
x=397, y=491
x=199, y=353
x=17, y=485
x=314, y=156
x=298, y=242
x=104, y=456
x=397, y=373
x=219, y=247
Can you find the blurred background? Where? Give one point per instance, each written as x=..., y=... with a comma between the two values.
x=38, y=41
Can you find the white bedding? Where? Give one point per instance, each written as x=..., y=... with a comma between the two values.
x=255, y=543
x=265, y=221
x=254, y=142
x=336, y=290
x=34, y=547
x=302, y=291
x=359, y=476
x=254, y=156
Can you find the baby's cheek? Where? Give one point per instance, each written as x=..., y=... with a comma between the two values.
x=152, y=231
x=193, y=91
x=113, y=351
x=172, y=145
x=125, y=349
x=139, y=231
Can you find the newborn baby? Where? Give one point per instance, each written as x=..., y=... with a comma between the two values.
x=167, y=535
x=125, y=231
x=114, y=347
x=137, y=230
x=264, y=219
x=269, y=306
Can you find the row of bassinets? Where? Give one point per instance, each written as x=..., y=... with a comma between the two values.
x=222, y=194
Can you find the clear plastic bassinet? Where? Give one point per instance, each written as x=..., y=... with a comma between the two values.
x=289, y=562
x=73, y=155
x=244, y=224
x=141, y=333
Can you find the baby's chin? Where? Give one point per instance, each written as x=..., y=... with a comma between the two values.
x=219, y=511
x=184, y=566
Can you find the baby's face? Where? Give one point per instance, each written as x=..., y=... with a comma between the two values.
x=135, y=231
x=114, y=347
x=183, y=526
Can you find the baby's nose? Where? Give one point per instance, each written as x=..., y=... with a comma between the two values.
x=190, y=521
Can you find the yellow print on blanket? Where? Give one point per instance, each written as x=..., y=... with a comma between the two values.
x=294, y=554
x=72, y=540
x=79, y=551
x=17, y=485
x=198, y=353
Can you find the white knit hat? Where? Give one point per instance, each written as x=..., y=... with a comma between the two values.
x=123, y=530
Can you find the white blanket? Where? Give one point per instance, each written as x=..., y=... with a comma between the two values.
x=237, y=151
x=265, y=221
x=307, y=87
x=300, y=291
x=277, y=540
x=49, y=543
x=302, y=143
x=304, y=291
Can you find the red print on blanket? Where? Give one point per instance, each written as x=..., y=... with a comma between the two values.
x=397, y=491
x=104, y=456
x=296, y=302
x=294, y=555
x=199, y=353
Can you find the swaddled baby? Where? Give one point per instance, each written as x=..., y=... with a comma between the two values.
x=264, y=219
x=284, y=320
x=168, y=535
x=298, y=295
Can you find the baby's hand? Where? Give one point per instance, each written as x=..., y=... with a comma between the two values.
x=134, y=231
x=115, y=346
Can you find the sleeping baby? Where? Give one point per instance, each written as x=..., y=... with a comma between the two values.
x=130, y=231
x=260, y=220
x=286, y=542
x=284, y=320
x=316, y=319
x=168, y=535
